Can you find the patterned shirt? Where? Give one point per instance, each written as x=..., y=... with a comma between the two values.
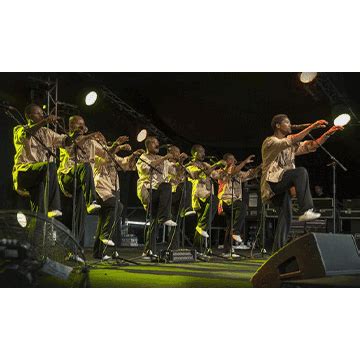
x=86, y=153
x=278, y=155
x=29, y=151
x=106, y=175
x=145, y=173
x=225, y=184
x=202, y=185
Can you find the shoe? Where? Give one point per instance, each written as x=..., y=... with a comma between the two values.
x=243, y=246
x=237, y=238
x=220, y=246
x=107, y=242
x=103, y=258
x=236, y=244
x=190, y=212
x=202, y=232
x=93, y=207
x=72, y=257
x=170, y=223
x=147, y=255
x=309, y=215
x=228, y=255
x=54, y=213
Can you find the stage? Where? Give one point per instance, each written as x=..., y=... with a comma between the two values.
x=216, y=273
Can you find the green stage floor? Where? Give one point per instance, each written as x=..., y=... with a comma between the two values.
x=216, y=273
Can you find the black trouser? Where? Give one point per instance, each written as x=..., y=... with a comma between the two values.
x=239, y=214
x=282, y=201
x=205, y=219
x=84, y=182
x=34, y=180
x=85, y=195
x=160, y=212
x=181, y=202
x=107, y=225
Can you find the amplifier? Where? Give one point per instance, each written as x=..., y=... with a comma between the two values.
x=353, y=204
x=178, y=256
x=350, y=214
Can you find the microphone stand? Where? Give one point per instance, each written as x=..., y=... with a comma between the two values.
x=334, y=162
x=76, y=148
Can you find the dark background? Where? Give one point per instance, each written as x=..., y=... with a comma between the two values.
x=226, y=112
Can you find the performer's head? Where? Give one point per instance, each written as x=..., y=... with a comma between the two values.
x=174, y=151
x=152, y=145
x=77, y=123
x=33, y=113
x=230, y=159
x=281, y=124
x=198, y=152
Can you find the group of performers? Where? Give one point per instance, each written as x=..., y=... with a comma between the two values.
x=170, y=187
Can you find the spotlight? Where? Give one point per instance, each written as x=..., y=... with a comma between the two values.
x=141, y=136
x=342, y=120
x=307, y=77
x=91, y=98
x=21, y=218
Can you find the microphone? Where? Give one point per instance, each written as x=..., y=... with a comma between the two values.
x=211, y=158
x=7, y=107
x=300, y=126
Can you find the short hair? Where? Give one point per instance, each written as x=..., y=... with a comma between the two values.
x=226, y=156
x=278, y=119
x=195, y=148
x=28, y=109
x=172, y=147
x=148, y=140
x=72, y=119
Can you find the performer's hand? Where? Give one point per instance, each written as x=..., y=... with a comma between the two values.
x=249, y=159
x=221, y=163
x=121, y=140
x=333, y=130
x=125, y=147
x=319, y=124
x=138, y=152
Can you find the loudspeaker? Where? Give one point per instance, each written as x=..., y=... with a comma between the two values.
x=312, y=255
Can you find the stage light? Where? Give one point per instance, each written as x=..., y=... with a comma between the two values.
x=44, y=107
x=91, y=98
x=141, y=136
x=21, y=218
x=342, y=120
x=307, y=77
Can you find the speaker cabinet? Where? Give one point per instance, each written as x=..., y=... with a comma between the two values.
x=312, y=255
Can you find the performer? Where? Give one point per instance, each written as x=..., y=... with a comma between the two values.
x=31, y=158
x=181, y=192
x=200, y=177
x=160, y=203
x=279, y=173
x=230, y=181
x=83, y=150
x=107, y=183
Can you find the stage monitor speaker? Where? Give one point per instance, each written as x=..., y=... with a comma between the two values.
x=312, y=255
